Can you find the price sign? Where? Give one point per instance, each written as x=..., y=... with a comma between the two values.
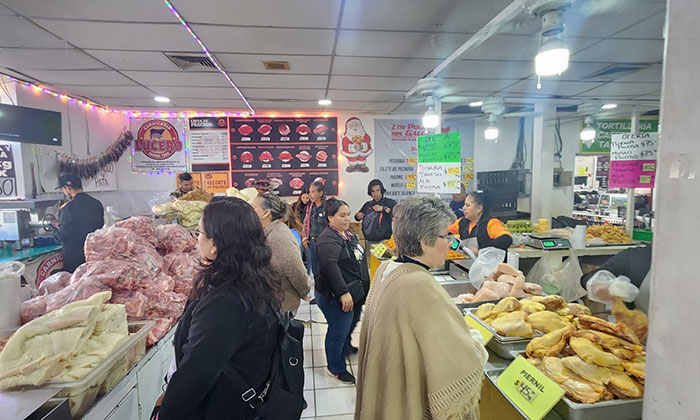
x=477, y=326
x=411, y=185
x=379, y=250
x=411, y=177
x=529, y=389
x=412, y=161
x=633, y=160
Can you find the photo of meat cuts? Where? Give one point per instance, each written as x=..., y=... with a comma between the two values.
x=266, y=157
x=275, y=183
x=296, y=183
x=320, y=129
x=303, y=130
x=285, y=156
x=245, y=130
x=284, y=129
x=321, y=180
x=249, y=182
x=265, y=129
x=304, y=156
x=321, y=156
x=246, y=157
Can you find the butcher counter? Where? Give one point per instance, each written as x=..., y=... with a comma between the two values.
x=134, y=396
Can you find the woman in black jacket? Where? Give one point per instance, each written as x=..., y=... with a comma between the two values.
x=341, y=287
x=229, y=322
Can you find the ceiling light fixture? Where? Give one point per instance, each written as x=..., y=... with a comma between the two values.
x=552, y=57
x=476, y=103
x=206, y=51
x=431, y=118
x=588, y=132
x=162, y=99
x=491, y=132
x=324, y=102
x=609, y=106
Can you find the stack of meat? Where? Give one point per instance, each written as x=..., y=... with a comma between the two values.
x=148, y=270
x=504, y=282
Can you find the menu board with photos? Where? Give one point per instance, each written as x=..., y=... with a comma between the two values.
x=289, y=152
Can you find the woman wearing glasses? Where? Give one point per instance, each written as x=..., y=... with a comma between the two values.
x=478, y=225
x=418, y=358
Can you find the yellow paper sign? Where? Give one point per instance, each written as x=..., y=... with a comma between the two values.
x=645, y=179
x=452, y=183
x=379, y=250
x=529, y=389
x=453, y=171
x=649, y=167
x=412, y=161
x=410, y=177
x=582, y=171
x=469, y=176
x=477, y=326
x=410, y=185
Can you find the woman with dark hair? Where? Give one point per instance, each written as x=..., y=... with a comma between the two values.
x=299, y=207
x=314, y=223
x=341, y=286
x=479, y=224
x=286, y=260
x=229, y=325
x=379, y=228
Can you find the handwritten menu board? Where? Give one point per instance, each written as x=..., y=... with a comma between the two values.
x=602, y=170
x=209, y=145
x=289, y=152
x=439, y=163
x=633, y=160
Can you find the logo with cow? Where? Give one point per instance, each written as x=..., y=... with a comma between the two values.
x=158, y=140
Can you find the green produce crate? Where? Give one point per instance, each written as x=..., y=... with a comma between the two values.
x=642, y=235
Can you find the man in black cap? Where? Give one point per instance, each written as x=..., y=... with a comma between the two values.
x=77, y=218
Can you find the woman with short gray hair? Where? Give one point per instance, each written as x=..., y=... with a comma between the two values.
x=413, y=329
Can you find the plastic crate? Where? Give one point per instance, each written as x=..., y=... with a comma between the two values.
x=643, y=235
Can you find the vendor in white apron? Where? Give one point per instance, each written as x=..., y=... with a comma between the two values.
x=478, y=226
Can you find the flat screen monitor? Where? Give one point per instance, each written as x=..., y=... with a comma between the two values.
x=29, y=125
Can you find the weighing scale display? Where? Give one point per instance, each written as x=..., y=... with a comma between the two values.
x=548, y=243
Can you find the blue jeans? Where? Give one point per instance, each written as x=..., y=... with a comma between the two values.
x=313, y=258
x=340, y=327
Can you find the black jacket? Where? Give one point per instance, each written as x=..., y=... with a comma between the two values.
x=338, y=265
x=481, y=233
x=633, y=263
x=218, y=333
x=78, y=218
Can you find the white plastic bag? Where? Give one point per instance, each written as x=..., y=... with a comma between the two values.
x=485, y=264
x=10, y=294
x=558, y=278
x=604, y=286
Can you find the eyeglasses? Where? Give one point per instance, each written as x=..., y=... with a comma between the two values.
x=450, y=237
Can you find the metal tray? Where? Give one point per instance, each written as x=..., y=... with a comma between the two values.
x=570, y=410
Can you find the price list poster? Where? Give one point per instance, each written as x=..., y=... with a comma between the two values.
x=289, y=153
x=633, y=160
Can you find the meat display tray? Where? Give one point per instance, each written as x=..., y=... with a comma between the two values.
x=570, y=410
x=503, y=346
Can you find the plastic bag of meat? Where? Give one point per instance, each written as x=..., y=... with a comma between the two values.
x=149, y=257
x=135, y=302
x=183, y=287
x=164, y=304
x=80, y=272
x=161, y=328
x=33, y=308
x=122, y=244
x=54, y=283
x=181, y=265
x=174, y=238
x=73, y=293
x=118, y=274
x=163, y=283
x=143, y=227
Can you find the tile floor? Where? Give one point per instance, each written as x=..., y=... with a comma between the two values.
x=327, y=398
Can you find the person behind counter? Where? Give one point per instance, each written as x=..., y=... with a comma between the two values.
x=286, y=259
x=186, y=184
x=479, y=225
x=341, y=286
x=418, y=358
x=458, y=201
x=314, y=223
x=229, y=322
x=80, y=216
x=378, y=204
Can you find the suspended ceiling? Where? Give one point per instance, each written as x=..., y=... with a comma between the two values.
x=363, y=54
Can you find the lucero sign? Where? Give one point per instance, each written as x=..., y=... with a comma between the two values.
x=159, y=145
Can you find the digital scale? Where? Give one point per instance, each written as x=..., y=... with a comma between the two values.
x=548, y=242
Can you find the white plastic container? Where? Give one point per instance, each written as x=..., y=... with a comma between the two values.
x=578, y=239
x=10, y=294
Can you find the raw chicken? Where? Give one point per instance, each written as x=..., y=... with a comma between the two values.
x=608, y=341
x=484, y=311
x=506, y=278
x=635, y=369
x=547, y=321
x=517, y=290
x=513, y=324
x=624, y=387
x=501, y=289
x=583, y=391
x=592, y=373
x=574, y=309
x=634, y=319
x=508, y=304
x=552, y=302
x=592, y=353
x=555, y=369
x=533, y=289
x=549, y=344
x=530, y=306
x=618, y=329
x=465, y=298
x=484, y=295
x=504, y=268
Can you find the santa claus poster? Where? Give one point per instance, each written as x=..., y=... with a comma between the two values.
x=356, y=145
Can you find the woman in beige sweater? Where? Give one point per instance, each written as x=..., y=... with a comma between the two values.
x=286, y=255
x=418, y=358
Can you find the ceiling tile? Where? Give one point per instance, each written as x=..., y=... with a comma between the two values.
x=275, y=93
x=465, y=85
x=477, y=69
x=266, y=40
x=550, y=87
x=224, y=104
x=365, y=106
x=307, y=13
x=612, y=17
x=19, y=32
x=245, y=63
x=222, y=92
x=126, y=36
x=653, y=73
x=279, y=81
x=421, y=15
x=364, y=66
x=178, y=78
x=623, y=90
x=123, y=10
x=577, y=71
x=48, y=59
x=623, y=51
x=410, y=108
x=366, y=95
x=398, y=44
x=372, y=83
x=80, y=77
x=652, y=28
x=147, y=103
x=517, y=47
x=291, y=106
x=108, y=91
x=139, y=60
x=4, y=11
